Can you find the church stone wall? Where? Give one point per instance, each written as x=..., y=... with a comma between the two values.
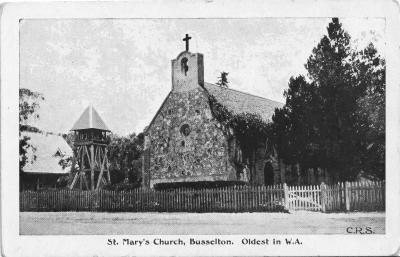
x=186, y=142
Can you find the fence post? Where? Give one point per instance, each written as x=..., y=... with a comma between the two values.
x=93, y=196
x=99, y=198
x=323, y=197
x=347, y=195
x=37, y=200
x=286, y=196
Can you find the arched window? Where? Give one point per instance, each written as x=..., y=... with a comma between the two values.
x=184, y=65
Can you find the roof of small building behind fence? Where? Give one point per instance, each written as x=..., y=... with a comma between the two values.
x=46, y=146
x=90, y=119
x=240, y=102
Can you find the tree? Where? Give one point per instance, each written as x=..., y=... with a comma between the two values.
x=29, y=103
x=328, y=67
x=124, y=153
x=370, y=112
x=223, y=79
x=293, y=124
x=323, y=123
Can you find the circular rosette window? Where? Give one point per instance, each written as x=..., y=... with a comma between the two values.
x=185, y=130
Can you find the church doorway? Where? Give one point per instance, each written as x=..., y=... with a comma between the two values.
x=268, y=174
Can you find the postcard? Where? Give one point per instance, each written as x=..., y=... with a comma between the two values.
x=212, y=128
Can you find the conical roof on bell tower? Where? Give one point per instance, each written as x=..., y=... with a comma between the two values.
x=90, y=119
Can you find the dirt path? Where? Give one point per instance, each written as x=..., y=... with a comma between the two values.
x=86, y=223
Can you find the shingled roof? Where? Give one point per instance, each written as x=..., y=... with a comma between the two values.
x=240, y=102
x=46, y=145
x=90, y=119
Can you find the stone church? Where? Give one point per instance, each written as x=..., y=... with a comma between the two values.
x=185, y=143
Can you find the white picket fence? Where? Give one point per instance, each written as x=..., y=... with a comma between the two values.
x=348, y=196
x=354, y=196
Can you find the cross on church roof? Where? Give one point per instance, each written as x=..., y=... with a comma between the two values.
x=187, y=38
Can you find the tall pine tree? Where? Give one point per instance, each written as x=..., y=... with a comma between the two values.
x=327, y=121
x=330, y=70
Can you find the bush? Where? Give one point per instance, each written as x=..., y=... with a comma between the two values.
x=122, y=186
x=198, y=185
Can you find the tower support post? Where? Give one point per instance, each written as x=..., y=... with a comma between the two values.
x=92, y=167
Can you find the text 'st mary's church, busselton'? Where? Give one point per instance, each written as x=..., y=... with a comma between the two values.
x=185, y=143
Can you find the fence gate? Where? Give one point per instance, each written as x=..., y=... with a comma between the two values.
x=304, y=198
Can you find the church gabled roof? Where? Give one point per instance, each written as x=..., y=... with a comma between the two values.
x=240, y=102
x=90, y=119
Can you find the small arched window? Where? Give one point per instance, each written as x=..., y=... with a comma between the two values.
x=184, y=65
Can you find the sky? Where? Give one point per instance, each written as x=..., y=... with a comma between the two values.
x=123, y=66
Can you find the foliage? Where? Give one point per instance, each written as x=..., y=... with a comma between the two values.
x=62, y=182
x=65, y=160
x=223, y=79
x=29, y=128
x=248, y=128
x=334, y=118
x=124, y=153
x=24, y=146
x=123, y=186
x=294, y=138
x=245, y=125
x=198, y=185
x=370, y=112
x=29, y=103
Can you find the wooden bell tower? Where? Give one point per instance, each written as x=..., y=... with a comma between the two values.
x=90, y=152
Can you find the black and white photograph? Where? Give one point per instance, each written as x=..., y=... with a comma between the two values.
x=177, y=131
